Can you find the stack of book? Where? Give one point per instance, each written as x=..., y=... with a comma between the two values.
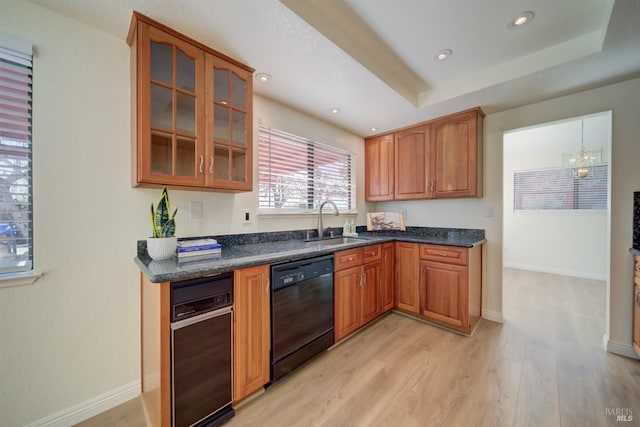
x=192, y=250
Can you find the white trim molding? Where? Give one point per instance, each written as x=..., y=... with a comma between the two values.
x=621, y=349
x=91, y=407
x=558, y=271
x=494, y=316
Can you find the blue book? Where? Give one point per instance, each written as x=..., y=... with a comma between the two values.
x=199, y=248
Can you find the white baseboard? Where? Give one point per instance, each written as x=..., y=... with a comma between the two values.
x=558, y=271
x=618, y=348
x=91, y=407
x=494, y=316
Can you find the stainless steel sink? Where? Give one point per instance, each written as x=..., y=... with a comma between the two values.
x=336, y=241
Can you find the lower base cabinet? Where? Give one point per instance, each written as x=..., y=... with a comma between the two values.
x=407, y=277
x=362, y=287
x=450, y=285
x=251, y=324
x=444, y=293
x=636, y=304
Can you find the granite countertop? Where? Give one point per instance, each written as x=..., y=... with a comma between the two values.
x=240, y=251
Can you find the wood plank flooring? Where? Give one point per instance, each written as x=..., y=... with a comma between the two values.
x=544, y=367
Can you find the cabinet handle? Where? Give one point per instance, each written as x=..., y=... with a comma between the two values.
x=443, y=254
x=267, y=288
x=211, y=167
x=638, y=299
x=384, y=257
x=201, y=163
x=361, y=280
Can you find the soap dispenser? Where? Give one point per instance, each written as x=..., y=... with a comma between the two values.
x=345, y=227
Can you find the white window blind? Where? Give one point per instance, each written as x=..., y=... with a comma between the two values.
x=16, y=250
x=297, y=174
x=560, y=189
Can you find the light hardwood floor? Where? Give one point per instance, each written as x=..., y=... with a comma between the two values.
x=545, y=366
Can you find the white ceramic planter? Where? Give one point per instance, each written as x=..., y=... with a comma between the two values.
x=160, y=248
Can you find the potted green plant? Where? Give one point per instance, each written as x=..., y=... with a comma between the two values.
x=163, y=243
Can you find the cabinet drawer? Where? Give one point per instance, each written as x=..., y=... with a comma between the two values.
x=348, y=258
x=371, y=253
x=446, y=254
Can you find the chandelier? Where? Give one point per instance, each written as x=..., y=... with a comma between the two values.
x=581, y=163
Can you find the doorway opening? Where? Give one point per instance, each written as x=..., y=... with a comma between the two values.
x=556, y=225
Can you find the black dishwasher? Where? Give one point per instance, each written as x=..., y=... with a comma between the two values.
x=201, y=337
x=301, y=313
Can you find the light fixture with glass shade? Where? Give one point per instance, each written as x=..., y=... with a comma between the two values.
x=581, y=162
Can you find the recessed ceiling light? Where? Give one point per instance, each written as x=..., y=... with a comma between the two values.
x=334, y=110
x=521, y=20
x=374, y=129
x=443, y=54
x=263, y=77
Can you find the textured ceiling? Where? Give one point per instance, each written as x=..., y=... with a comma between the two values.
x=373, y=59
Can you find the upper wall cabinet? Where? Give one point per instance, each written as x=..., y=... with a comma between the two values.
x=412, y=165
x=379, y=167
x=441, y=158
x=193, y=112
x=457, y=155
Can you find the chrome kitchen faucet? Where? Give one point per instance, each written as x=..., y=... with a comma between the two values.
x=320, y=226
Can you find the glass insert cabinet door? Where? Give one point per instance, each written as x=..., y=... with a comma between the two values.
x=229, y=142
x=174, y=154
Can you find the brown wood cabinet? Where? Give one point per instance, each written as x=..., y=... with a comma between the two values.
x=357, y=288
x=193, y=112
x=412, y=166
x=636, y=319
x=156, y=350
x=444, y=292
x=636, y=305
x=388, y=279
x=379, y=168
x=251, y=330
x=441, y=158
x=456, y=155
x=407, y=277
x=450, y=285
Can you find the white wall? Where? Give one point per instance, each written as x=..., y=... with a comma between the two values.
x=74, y=335
x=562, y=242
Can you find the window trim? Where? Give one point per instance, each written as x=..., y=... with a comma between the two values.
x=22, y=55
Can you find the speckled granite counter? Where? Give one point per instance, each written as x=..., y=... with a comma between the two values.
x=246, y=250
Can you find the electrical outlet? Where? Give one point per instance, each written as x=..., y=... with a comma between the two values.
x=246, y=216
x=489, y=212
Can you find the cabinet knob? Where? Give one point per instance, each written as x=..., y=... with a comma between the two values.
x=350, y=259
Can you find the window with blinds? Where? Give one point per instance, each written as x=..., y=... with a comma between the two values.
x=560, y=189
x=296, y=174
x=16, y=250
